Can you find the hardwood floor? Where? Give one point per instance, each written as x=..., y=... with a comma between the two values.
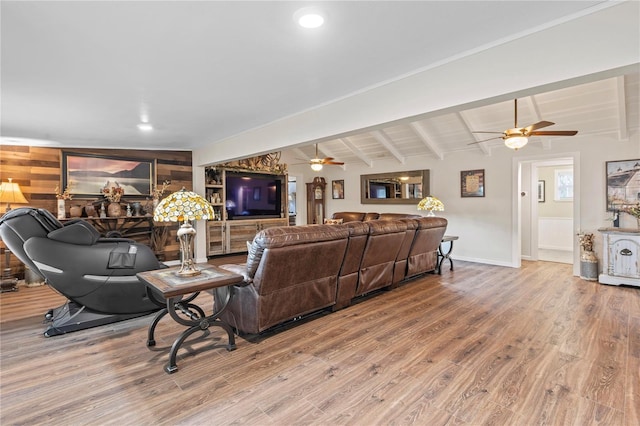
x=478, y=345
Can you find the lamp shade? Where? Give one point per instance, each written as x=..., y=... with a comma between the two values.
x=431, y=204
x=181, y=206
x=10, y=193
x=516, y=142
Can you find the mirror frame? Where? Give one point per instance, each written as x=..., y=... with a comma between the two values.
x=364, y=185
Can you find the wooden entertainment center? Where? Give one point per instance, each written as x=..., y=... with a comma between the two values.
x=236, y=222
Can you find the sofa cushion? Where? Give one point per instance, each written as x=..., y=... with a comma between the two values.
x=287, y=236
x=394, y=216
x=349, y=216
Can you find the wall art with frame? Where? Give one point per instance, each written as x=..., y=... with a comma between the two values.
x=337, y=189
x=85, y=175
x=472, y=183
x=623, y=184
x=541, y=191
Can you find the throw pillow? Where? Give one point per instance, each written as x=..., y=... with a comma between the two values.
x=333, y=221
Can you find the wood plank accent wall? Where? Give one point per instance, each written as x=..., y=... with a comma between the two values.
x=38, y=171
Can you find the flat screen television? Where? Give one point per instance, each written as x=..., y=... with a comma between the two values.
x=253, y=195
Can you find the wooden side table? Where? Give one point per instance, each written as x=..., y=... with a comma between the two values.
x=167, y=289
x=441, y=253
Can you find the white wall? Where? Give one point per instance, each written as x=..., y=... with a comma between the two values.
x=485, y=225
x=552, y=207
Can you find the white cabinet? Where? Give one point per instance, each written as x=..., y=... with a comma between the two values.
x=620, y=248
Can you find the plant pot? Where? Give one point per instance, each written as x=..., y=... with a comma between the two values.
x=90, y=210
x=75, y=211
x=114, y=210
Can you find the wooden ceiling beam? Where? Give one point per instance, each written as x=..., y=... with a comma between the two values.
x=623, y=128
x=464, y=118
x=422, y=133
x=386, y=141
x=361, y=155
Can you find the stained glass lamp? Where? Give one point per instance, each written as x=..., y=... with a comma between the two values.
x=431, y=204
x=184, y=206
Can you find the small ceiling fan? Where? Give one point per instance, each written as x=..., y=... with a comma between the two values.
x=517, y=137
x=317, y=163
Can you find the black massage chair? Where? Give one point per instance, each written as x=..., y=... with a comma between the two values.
x=97, y=275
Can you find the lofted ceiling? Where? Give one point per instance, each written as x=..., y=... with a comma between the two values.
x=84, y=74
x=608, y=108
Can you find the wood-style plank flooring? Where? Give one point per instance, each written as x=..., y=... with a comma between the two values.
x=477, y=345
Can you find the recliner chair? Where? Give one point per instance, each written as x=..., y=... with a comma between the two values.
x=97, y=275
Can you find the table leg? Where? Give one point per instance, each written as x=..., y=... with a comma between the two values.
x=442, y=256
x=197, y=321
x=151, y=341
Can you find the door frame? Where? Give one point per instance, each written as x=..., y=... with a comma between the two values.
x=528, y=186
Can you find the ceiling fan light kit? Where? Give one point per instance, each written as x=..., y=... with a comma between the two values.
x=317, y=163
x=515, y=142
x=517, y=137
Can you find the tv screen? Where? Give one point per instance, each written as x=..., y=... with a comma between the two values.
x=251, y=195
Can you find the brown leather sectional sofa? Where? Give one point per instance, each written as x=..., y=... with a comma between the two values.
x=295, y=270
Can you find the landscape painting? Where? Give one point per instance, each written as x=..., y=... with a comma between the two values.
x=86, y=175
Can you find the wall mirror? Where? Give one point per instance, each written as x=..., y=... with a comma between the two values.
x=407, y=187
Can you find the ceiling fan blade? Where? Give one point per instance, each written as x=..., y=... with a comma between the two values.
x=538, y=125
x=485, y=140
x=555, y=133
x=334, y=163
x=327, y=159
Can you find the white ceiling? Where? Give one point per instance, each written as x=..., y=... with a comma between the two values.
x=82, y=74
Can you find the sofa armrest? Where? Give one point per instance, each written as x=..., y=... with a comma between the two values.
x=240, y=269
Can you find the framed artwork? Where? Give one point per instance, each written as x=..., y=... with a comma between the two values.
x=472, y=183
x=85, y=175
x=337, y=189
x=623, y=184
x=541, y=190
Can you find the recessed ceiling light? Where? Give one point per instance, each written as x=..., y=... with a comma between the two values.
x=145, y=127
x=309, y=17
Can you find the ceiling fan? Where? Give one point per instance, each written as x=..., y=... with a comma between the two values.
x=517, y=137
x=317, y=163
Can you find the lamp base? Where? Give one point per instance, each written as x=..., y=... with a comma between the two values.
x=188, y=271
x=186, y=232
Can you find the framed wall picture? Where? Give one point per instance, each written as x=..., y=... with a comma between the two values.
x=623, y=184
x=337, y=189
x=87, y=174
x=472, y=183
x=541, y=190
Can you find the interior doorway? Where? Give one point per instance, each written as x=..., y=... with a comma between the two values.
x=292, y=199
x=555, y=210
x=547, y=209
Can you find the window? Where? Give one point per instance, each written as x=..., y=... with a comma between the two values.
x=563, y=185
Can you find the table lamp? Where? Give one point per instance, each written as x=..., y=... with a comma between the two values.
x=183, y=206
x=431, y=204
x=10, y=193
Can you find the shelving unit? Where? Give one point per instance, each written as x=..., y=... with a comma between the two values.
x=230, y=236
